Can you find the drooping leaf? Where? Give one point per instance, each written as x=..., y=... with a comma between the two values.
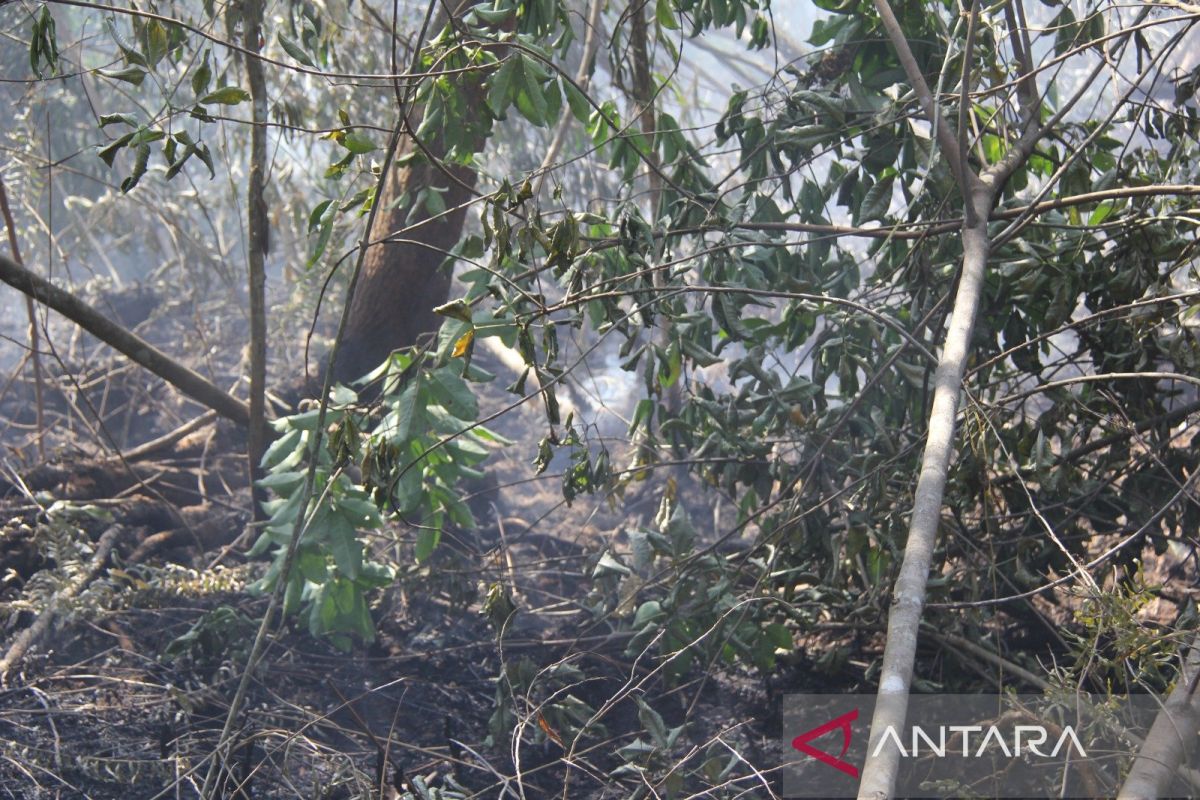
x=134, y=75
x=876, y=201
x=226, y=96
x=294, y=49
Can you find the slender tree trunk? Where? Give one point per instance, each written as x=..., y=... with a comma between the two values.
x=1172, y=736
x=257, y=246
x=979, y=192
x=908, y=597
x=643, y=96
x=35, y=356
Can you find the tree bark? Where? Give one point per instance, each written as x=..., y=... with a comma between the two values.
x=908, y=595
x=1172, y=736
x=402, y=279
x=257, y=245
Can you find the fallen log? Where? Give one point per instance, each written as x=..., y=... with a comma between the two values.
x=136, y=348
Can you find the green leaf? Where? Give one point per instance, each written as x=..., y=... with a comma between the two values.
x=283, y=483
x=647, y=612
x=434, y=203
x=721, y=12
x=653, y=723
x=201, y=77
x=500, y=87
x=339, y=167
x=493, y=16
x=581, y=109
x=321, y=243
x=147, y=135
x=226, y=96
x=729, y=316
x=778, y=635
x=347, y=554
x=608, y=565
x=636, y=751
x=760, y=32
x=531, y=99
x=294, y=50
x=1101, y=213
x=130, y=53
x=664, y=12
x=427, y=542
x=292, y=594
x=405, y=411
x=204, y=155
x=453, y=393
x=281, y=448
x=324, y=610
x=157, y=42
x=1067, y=30
x=140, y=159
x=358, y=199
x=358, y=143
x=408, y=491
x=113, y=119
x=176, y=164
x=876, y=201
x=43, y=43
x=312, y=565
x=132, y=75
x=455, y=309
x=317, y=214
x=698, y=353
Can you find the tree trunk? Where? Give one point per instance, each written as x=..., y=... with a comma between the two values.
x=402, y=279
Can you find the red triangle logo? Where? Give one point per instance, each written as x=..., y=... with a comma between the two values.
x=842, y=723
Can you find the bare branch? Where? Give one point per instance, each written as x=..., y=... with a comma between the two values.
x=35, y=356
x=951, y=225
x=583, y=77
x=1018, y=33
x=1034, y=133
x=41, y=626
x=964, y=100
x=130, y=344
x=946, y=138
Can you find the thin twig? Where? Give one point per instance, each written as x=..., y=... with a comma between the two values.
x=583, y=77
x=34, y=343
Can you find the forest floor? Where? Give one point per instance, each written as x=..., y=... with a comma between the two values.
x=132, y=568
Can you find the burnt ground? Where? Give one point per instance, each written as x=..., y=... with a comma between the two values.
x=125, y=693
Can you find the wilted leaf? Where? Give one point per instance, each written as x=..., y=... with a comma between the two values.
x=463, y=344
x=226, y=96
x=133, y=75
